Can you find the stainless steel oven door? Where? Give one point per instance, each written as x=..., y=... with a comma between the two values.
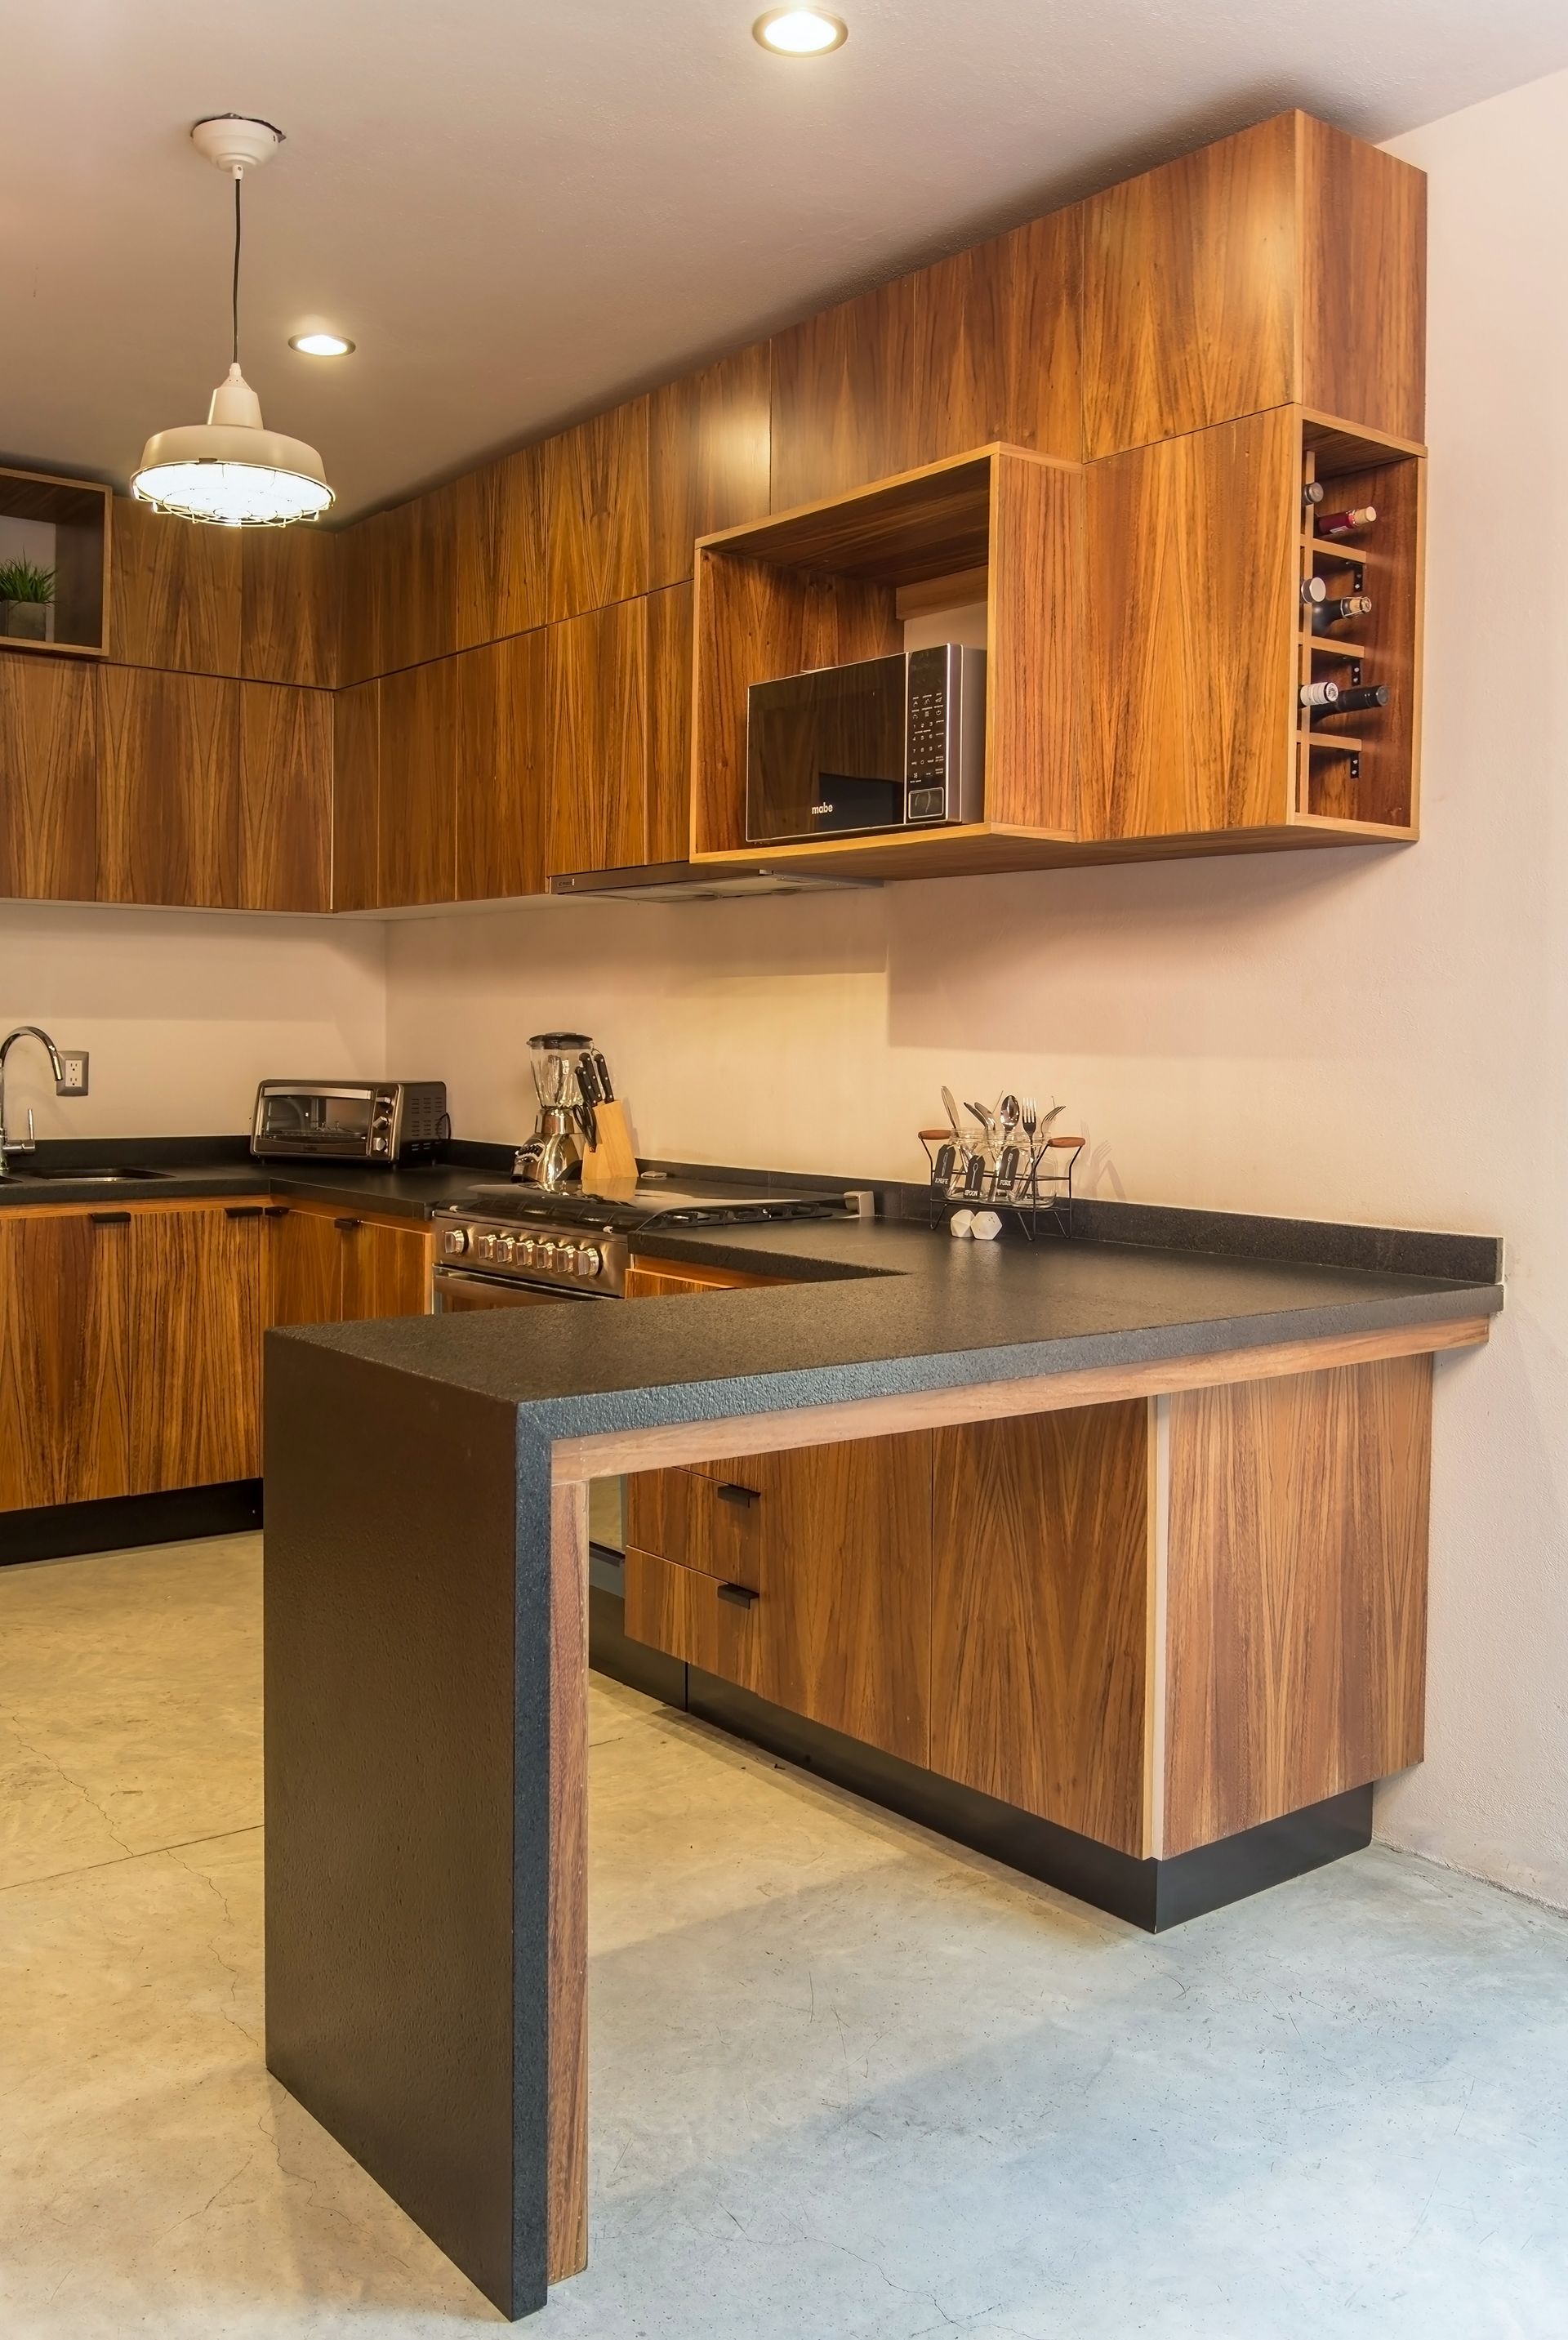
x=458, y=1292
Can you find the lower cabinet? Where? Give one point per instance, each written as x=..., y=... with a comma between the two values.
x=973, y=1600
x=131, y=1338
x=329, y=1266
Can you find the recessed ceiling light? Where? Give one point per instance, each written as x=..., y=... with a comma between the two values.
x=320, y=346
x=800, y=31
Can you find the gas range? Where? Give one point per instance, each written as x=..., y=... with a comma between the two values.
x=579, y=1244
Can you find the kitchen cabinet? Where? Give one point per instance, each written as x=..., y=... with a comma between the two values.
x=169, y=788
x=997, y=343
x=416, y=795
x=595, y=478
x=356, y=783
x=193, y=1324
x=257, y=604
x=597, y=669
x=1041, y=1614
x=327, y=1265
x=708, y=440
x=48, y=778
x=662, y=1279
x=502, y=768
x=669, y=724
x=844, y=402
x=805, y=1578
x=288, y=605
x=63, y=1293
x=287, y=739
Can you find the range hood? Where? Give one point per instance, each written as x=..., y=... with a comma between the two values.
x=695, y=881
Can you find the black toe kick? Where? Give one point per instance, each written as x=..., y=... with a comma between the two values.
x=1153, y=1894
x=119, y=1523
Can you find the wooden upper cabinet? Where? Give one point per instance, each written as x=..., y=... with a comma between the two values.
x=669, y=724
x=1285, y=263
x=364, y=552
x=500, y=567
x=63, y=1404
x=417, y=785
x=356, y=783
x=844, y=401
x=597, y=681
x=48, y=779
x=416, y=591
x=175, y=591
x=504, y=769
x=1189, y=708
x=997, y=343
x=708, y=437
x=288, y=605
x=285, y=797
x=169, y=793
x=596, y=511
x=1040, y=1618
x=1363, y=282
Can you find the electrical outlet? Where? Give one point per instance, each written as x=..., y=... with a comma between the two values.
x=75, y=1081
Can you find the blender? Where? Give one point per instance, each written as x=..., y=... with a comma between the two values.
x=553, y=1155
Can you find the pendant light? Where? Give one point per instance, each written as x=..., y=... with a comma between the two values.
x=228, y=469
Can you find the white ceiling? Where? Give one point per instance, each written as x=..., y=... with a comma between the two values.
x=520, y=210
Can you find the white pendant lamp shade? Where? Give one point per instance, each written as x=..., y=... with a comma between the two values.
x=231, y=471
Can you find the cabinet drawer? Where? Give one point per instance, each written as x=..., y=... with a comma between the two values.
x=712, y=1519
x=707, y=1623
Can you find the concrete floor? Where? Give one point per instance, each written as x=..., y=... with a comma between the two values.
x=847, y=2080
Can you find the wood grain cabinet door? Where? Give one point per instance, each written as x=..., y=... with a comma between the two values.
x=63, y=1357
x=48, y=779
x=175, y=591
x=1039, y=1630
x=285, y=797
x=502, y=768
x=598, y=673
x=844, y=1618
x=596, y=511
x=289, y=606
x=304, y=1264
x=169, y=788
x=195, y=1344
x=386, y=1270
x=417, y=785
x=669, y=688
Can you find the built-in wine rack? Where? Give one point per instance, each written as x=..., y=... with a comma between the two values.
x=1357, y=677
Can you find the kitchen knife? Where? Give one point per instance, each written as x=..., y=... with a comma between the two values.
x=606, y=1086
x=588, y=1080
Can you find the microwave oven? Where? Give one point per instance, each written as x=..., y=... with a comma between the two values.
x=349, y=1120
x=888, y=743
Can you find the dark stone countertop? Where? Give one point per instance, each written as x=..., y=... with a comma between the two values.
x=882, y=1309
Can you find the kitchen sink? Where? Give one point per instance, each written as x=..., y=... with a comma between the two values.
x=96, y=1174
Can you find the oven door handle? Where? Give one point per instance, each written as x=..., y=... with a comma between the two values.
x=441, y=1274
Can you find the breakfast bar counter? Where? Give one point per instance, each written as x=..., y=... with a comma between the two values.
x=1261, y=1504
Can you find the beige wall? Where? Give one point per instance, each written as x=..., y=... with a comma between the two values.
x=1376, y=1035
x=182, y=1013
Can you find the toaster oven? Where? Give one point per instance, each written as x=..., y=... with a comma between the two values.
x=351, y=1121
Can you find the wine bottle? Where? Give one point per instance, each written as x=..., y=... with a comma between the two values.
x=1345, y=523
x=1314, y=592
x=1364, y=694
x=1312, y=493
x=1345, y=605
x=1320, y=694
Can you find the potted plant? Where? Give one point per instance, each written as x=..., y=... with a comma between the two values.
x=26, y=593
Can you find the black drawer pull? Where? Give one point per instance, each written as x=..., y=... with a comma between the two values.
x=348, y=1226
x=276, y=1211
x=731, y=1490
x=241, y=1210
x=109, y=1218
x=740, y=1596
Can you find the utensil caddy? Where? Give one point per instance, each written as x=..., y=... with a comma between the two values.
x=1036, y=1186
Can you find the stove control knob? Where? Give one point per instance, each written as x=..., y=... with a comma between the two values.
x=566, y=1257
x=505, y=1246
x=455, y=1242
x=526, y=1250
x=545, y=1252
x=589, y=1261
x=485, y=1247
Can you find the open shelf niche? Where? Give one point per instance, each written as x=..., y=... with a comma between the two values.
x=62, y=525
x=1361, y=770
x=834, y=581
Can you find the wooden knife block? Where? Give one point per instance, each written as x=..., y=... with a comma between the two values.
x=613, y=1161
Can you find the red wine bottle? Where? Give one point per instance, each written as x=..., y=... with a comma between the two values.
x=1314, y=592
x=1345, y=605
x=1345, y=523
x=1364, y=694
x=1312, y=493
x=1320, y=694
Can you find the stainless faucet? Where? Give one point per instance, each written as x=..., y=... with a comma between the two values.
x=23, y=1145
